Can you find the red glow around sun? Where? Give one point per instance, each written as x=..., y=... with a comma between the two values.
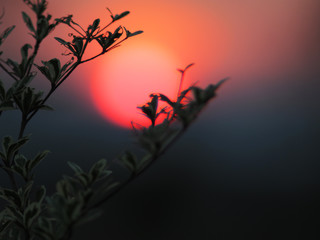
x=126, y=81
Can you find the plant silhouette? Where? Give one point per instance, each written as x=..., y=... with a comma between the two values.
x=32, y=214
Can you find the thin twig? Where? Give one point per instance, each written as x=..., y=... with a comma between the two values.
x=99, y=31
x=107, y=50
x=76, y=30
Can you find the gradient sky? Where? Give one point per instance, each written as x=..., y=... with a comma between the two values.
x=249, y=167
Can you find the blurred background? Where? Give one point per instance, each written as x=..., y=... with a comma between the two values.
x=249, y=166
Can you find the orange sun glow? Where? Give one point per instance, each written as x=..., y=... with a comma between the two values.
x=126, y=80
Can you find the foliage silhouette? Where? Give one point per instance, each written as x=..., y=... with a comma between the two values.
x=29, y=213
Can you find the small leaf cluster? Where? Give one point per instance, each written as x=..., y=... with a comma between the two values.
x=53, y=71
x=17, y=163
x=94, y=32
x=73, y=202
x=21, y=212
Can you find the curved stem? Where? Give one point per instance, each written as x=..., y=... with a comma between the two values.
x=22, y=126
x=180, y=85
x=32, y=57
x=89, y=59
x=99, y=31
x=76, y=30
x=103, y=52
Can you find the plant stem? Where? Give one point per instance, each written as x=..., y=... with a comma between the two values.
x=22, y=126
x=180, y=85
x=32, y=57
x=99, y=31
x=105, y=51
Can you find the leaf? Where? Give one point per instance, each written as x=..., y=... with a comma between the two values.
x=24, y=51
x=20, y=166
x=69, y=46
x=185, y=69
x=64, y=188
x=45, y=71
x=38, y=7
x=40, y=194
x=66, y=20
x=165, y=99
x=15, y=215
x=220, y=83
x=63, y=42
x=35, y=161
x=74, y=209
x=65, y=66
x=54, y=67
x=150, y=109
x=6, y=33
x=24, y=58
x=6, y=142
x=108, y=40
x=10, y=147
x=11, y=197
x=28, y=22
x=46, y=108
x=76, y=168
x=84, y=179
x=94, y=25
x=97, y=169
x=31, y=212
x=15, y=67
x=130, y=34
x=121, y=15
x=25, y=198
x=28, y=100
x=77, y=45
x=42, y=28
x=19, y=86
x=44, y=229
x=130, y=161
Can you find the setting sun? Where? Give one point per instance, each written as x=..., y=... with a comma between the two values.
x=126, y=81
